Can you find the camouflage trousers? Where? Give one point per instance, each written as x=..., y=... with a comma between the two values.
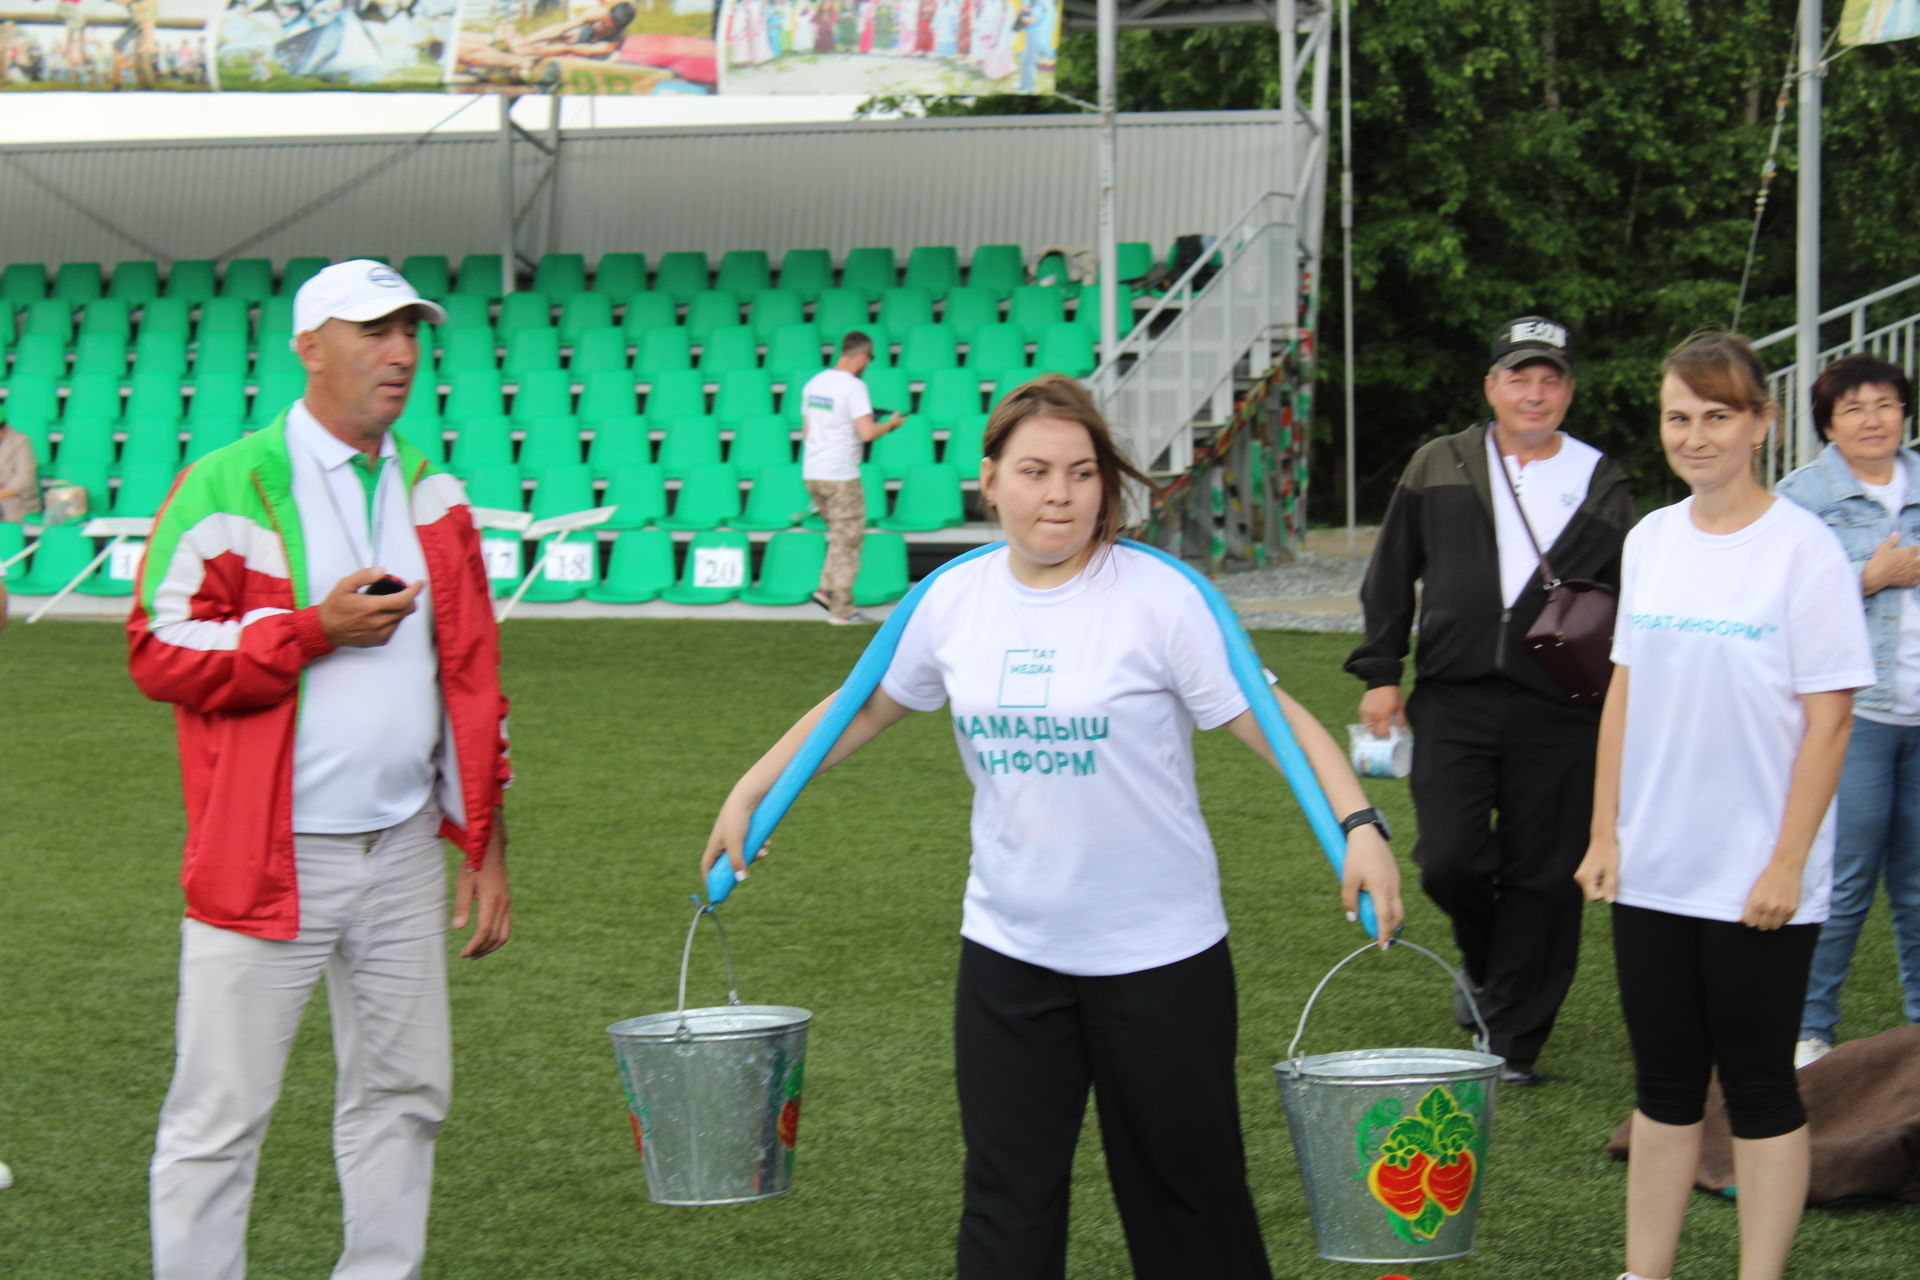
x=843, y=505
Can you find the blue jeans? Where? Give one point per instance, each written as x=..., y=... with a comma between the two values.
x=1877, y=834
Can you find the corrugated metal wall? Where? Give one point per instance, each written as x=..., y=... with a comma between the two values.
x=1025, y=180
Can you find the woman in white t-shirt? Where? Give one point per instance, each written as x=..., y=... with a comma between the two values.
x=1093, y=951
x=1866, y=488
x=1738, y=647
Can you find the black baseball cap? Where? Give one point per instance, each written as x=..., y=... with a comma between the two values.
x=1531, y=338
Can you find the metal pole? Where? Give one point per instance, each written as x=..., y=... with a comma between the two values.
x=508, y=254
x=1108, y=40
x=1346, y=268
x=552, y=217
x=1807, y=272
x=1288, y=25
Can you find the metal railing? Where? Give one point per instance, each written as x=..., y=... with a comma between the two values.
x=1153, y=400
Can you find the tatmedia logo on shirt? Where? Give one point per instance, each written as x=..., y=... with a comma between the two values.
x=1026, y=682
x=820, y=402
x=1703, y=626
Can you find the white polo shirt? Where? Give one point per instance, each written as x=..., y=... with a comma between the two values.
x=370, y=719
x=1551, y=490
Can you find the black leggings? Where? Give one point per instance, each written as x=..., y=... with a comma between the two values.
x=1705, y=994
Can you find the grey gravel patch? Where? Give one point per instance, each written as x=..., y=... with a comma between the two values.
x=1307, y=575
x=1347, y=622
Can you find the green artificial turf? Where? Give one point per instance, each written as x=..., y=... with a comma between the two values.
x=626, y=736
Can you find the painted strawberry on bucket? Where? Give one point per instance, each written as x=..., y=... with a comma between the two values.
x=1422, y=1170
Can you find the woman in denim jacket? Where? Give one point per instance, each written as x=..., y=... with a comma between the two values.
x=1866, y=487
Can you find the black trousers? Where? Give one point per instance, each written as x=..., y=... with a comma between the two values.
x=1704, y=994
x=1157, y=1049
x=1490, y=747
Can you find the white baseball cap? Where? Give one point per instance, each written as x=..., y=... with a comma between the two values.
x=359, y=289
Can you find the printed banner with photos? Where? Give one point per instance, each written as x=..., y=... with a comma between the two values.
x=962, y=47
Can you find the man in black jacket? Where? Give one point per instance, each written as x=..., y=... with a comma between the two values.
x=1494, y=733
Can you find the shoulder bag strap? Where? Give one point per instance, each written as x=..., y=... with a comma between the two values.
x=1548, y=578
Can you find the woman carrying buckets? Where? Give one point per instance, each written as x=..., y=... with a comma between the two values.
x=1739, y=644
x=1093, y=939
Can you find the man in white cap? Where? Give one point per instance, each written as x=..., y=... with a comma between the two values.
x=314, y=604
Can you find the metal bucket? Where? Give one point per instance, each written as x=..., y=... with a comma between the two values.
x=1392, y=1143
x=714, y=1094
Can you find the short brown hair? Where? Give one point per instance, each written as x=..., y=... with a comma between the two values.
x=1054, y=395
x=1723, y=368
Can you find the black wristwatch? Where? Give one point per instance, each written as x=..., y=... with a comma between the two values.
x=1366, y=817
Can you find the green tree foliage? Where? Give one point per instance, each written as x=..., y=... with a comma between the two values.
x=1593, y=160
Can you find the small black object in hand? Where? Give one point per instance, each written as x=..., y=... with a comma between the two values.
x=384, y=587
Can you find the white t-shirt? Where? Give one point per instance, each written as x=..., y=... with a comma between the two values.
x=1074, y=710
x=364, y=754
x=1906, y=672
x=830, y=402
x=1723, y=633
x=1551, y=489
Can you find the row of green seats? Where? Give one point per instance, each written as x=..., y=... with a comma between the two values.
x=34, y=402
x=714, y=569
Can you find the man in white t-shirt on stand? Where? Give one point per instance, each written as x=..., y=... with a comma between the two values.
x=839, y=425
x=1495, y=734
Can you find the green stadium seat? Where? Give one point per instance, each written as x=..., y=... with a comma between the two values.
x=639, y=568
x=620, y=275
x=144, y=485
x=275, y=325
x=49, y=316
x=607, y=393
x=764, y=440
x=192, y=280
x=744, y=271
x=13, y=539
x=61, y=552
x=249, y=279
x=550, y=442
x=429, y=273
x=728, y=349
x=468, y=311
x=789, y=569
x=473, y=393
x=933, y=267
x=742, y=394
x=902, y=308
x=721, y=554
x=40, y=355
x=85, y=444
x=949, y=394
x=807, y=272
x=662, y=351
x=136, y=282
x=420, y=416
x=223, y=315
x=777, y=500
x=676, y=394
x=888, y=390
x=161, y=351
x=619, y=442
x=429, y=439
x=278, y=359
x=280, y=388
x=582, y=312
x=222, y=352
x=899, y=451
x=690, y=443
x=996, y=347
x=1036, y=306
x=22, y=284
x=774, y=309
x=94, y=395
x=204, y=437
x=33, y=400
x=841, y=311
x=928, y=347
x=872, y=271
x=152, y=396
x=681, y=275
x=106, y=316
x=997, y=268
x=928, y=499
x=883, y=569
x=709, y=309
x=649, y=311
x=1135, y=260
x=526, y=309
x=598, y=350
x=1065, y=348
x=794, y=346
x=466, y=350
x=873, y=491
x=530, y=349
x=494, y=485
x=561, y=489
x=709, y=497
x=543, y=395
x=169, y=315
x=638, y=492
x=503, y=553
x=480, y=276
x=40, y=436
x=1087, y=311
x=560, y=275
x=300, y=270
x=969, y=310
x=218, y=396
x=480, y=443
x=1006, y=382
x=78, y=283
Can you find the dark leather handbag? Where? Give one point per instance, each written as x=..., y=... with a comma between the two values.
x=1573, y=636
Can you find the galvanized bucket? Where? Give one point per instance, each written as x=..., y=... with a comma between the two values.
x=1392, y=1143
x=714, y=1094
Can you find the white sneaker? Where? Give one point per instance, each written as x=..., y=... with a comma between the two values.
x=1809, y=1051
x=855, y=619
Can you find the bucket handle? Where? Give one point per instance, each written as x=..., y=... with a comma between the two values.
x=1480, y=1041
x=686, y=955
